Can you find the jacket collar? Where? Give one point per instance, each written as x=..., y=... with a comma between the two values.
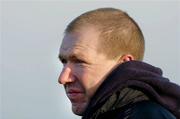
x=142, y=76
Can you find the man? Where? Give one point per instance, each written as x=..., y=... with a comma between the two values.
x=103, y=74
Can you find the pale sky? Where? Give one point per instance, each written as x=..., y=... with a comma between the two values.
x=31, y=35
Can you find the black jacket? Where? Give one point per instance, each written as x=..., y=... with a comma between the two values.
x=139, y=110
x=135, y=90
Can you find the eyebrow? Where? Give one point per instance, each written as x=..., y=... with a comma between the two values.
x=71, y=57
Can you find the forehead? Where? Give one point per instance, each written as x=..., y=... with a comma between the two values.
x=83, y=41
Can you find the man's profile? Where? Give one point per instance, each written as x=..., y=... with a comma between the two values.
x=104, y=75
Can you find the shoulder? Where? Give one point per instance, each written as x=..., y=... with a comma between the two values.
x=150, y=110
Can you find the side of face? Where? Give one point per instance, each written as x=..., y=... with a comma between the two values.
x=84, y=69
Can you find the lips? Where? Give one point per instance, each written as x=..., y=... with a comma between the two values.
x=74, y=91
x=74, y=94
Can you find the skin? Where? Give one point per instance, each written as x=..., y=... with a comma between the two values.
x=84, y=69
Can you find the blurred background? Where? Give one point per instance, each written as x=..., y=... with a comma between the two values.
x=31, y=33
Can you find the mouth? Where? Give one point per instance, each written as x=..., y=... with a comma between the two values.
x=74, y=95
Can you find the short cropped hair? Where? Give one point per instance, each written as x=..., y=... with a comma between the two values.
x=119, y=33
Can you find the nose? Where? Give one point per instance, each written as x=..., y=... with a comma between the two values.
x=66, y=75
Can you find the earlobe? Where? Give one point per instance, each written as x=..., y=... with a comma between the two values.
x=126, y=58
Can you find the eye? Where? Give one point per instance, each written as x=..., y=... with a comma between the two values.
x=64, y=61
x=79, y=61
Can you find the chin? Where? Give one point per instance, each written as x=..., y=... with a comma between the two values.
x=78, y=113
x=78, y=109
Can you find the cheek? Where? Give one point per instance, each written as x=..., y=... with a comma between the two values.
x=85, y=77
x=79, y=72
x=95, y=78
x=90, y=80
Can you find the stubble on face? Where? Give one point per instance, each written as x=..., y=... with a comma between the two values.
x=88, y=74
x=79, y=99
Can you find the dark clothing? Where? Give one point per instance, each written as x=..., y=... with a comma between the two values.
x=139, y=110
x=150, y=110
x=135, y=90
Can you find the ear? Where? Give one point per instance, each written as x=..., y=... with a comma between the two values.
x=126, y=58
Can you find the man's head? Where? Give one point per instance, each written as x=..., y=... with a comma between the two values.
x=93, y=45
x=119, y=33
